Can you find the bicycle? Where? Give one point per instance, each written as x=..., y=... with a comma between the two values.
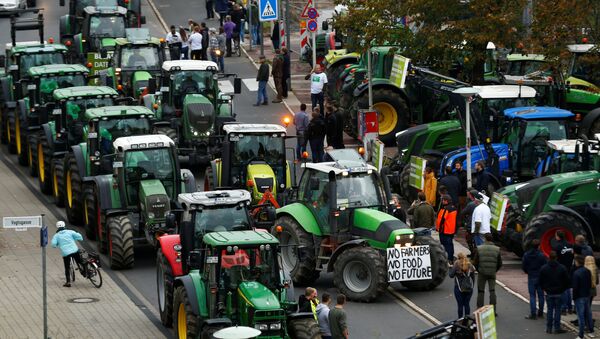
x=92, y=261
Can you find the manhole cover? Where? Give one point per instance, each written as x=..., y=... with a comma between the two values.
x=83, y=300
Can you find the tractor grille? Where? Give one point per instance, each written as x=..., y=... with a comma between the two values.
x=262, y=184
x=269, y=319
x=158, y=204
x=201, y=116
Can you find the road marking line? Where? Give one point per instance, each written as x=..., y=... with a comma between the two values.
x=413, y=308
x=225, y=86
x=251, y=84
x=160, y=18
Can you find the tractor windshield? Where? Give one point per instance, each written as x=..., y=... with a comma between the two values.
x=26, y=61
x=266, y=148
x=80, y=104
x=220, y=219
x=525, y=67
x=481, y=115
x=140, y=57
x=124, y=127
x=147, y=164
x=191, y=82
x=50, y=83
x=107, y=26
x=585, y=67
x=361, y=190
x=249, y=264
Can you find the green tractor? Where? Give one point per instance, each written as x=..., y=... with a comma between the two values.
x=339, y=223
x=235, y=278
x=583, y=87
x=34, y=109
x=253, y=158
x=191, y=107
x=134, y=8
x=131, y=204
x=137, y=58
x=65, y=128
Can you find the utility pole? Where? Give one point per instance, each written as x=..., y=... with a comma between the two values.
x=370, y=83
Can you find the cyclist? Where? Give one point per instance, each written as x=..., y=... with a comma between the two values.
x=66, y=240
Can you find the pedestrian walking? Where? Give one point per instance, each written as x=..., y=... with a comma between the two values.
x=286, y=71
x=533, y=261
x=452, y=184
x=174, y=42
x=301, y=121
x=262, y=77
x=482, y=177
x=205, y=40
x=275, y=37
x=480, y=222
x=430, y=186
x=222, y=40
x=196, y=44
x=185, y=44
x=229, y=27
x=487, y=261
x=214, y=49
x=554, y=280
x=323, y=316
x=315, y=133
x=337, y=319
x=581, y=246
x=238, y=16
x=461, y=174
x=221, y=7
x=446, y=226
x=422, y=212
x=277, y=73
x=463, y=273
x=66, y=241
x=582, y=286
x=564, y=252
x=318, y=80
x=210, y=11
x=331, y=121
x=256, y=24
x=339, y=132
x=309, y=301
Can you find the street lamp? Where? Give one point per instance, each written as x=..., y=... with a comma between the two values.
x=467, y=93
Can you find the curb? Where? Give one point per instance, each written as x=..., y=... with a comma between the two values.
x=160, y=18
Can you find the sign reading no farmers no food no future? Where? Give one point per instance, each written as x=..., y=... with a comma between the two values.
x=409, y=263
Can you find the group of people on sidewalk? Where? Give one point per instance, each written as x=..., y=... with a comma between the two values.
x=332, y=321
x=569, y=276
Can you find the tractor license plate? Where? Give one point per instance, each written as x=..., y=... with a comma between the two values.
x=212, y=260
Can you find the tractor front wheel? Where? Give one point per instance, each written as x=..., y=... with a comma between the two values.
x=439, y=265
x=512, y=238
x=32, y=157
x=304, y=328
x=187, y=324
x=91, y=213
x=56, y=182
x=360, y=273
x=164, y=289
x=406, y=191
x=544, y=226
x=44, y=162
x=168, y=131
x=120, y=242
x=21, y=142
x=12, y=137
x=73, y=191
x=293, y=238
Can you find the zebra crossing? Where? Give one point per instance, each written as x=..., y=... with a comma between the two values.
x=226, y=85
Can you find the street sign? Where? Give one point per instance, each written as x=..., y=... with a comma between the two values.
x=43, y=236
x=312, y=25
x=312, y=13
x=267, y=10
x=22, y=222
x=309, y=4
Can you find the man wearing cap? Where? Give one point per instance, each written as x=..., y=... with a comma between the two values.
x=262, y=77
x=480, y=223
x=446, y=225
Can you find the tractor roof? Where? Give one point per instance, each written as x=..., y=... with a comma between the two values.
x=117, y=111
x=142, y=141
x=35, y=48
x=105, y=10
x=253, y=128
x=580, y=48
x=57, y=69
x=537, y=113
x=215, y=198
x=137, y=36
x=505, y=91
x=342, y=160
x=239, y=238
x=189, y=65
x=83, y=91
x=568, y=146
x=525, y=57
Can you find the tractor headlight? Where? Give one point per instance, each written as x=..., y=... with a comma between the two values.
x=262, y=327
x=151, y=215
x=195, y=133
x=275, y=327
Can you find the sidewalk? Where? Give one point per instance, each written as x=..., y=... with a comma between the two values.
x=113, y=315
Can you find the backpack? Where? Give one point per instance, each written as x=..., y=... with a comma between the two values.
x=464, y=282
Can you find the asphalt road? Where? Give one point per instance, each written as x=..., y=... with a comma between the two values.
x=388, y=317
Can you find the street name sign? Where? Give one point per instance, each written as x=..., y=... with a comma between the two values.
x=22, y=223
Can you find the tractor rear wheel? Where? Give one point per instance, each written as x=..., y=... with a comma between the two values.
x=544, y=226
x=32, y=157
x=291, y=238
x=168, y=131
x=512, y=239
x=44, y=161
x=209, y=179
x=58, y=173
x=3, y=130
x=73, y=191
x=91, y=213
x=334, y=82
x=304, y=328
x=164, y=289
x=120, y=242
x=439, y=265
x=408, y=193
x=392, y=111
x=10, y=127
x=360, y=273
x=187, y=324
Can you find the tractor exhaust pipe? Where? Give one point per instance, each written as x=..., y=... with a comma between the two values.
x=332, y=192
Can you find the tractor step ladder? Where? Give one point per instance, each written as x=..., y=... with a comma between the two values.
x=323, y=259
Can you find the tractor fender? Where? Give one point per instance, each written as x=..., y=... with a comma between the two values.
x=78, y=155
x=303, y=216
x=579, y=217
x=588, y=121
x=342, y=248
x=345, y=59
x=6, y=88
x=188, y=181
x=300, y=315
x=48, y=135
x=220, y=322
x=104, y=186
x=377, y=84
x=216, y=173
x=23, y=108
x=187, y=282
x=166, y=243
x=495, y=180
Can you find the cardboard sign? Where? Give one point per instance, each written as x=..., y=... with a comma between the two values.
x=417, y=172
x=98, y=63
x=486, y=322
x=399, y=70
x=377, y=151
x=498, y=208
x=409, y=263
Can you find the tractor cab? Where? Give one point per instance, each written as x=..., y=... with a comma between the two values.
x=54, y=76
x=77, y=8
x=569, y=155
x=533, y=70
x=583, y=78
x=24, y=55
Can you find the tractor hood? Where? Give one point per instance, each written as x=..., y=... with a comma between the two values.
x=378, y=227
x=442, y=136
x=478, y=152
x=199, y=112
x=155, y=202
x=263, y=178
x=139, y=81
x=258, y=296
x=108, y=43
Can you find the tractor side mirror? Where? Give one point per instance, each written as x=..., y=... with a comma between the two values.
x=186, y=237
x=2, y=61
x=271, y=213
x=103, y=53
x=314, y=184
x=325, y=25
x=195, y=259
x=143, y=19
x=237, y=85
x=152, y=85
x=170, y=220
x=61, y=3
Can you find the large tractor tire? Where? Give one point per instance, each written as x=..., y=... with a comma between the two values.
x=334, y=82
x=544, y=226
x=32, y=156
x=360, y=273
x=291, y=238
x=304, y=328
x=12, y=137
x=408, y=193
x=439, y=265
x=3, y=126
x=164, y=289
x=512, y=239
x=120, y=242
x=91, y=213
x=186, y=325
x=44, y=161
x=209, y=179
x=393, y=113
x=58, y=173
x=21, y=143
x=73, y=191
x=168, y=131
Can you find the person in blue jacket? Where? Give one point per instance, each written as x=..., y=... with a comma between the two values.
x=66, y=240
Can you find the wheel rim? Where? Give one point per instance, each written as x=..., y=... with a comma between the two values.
x=288, y=252
x=69, y=189
x=387, y=117
x=85, y=213
x=357, y=276
x=182, y=322
x=42, y=173
x=546, y=238
x=30, y=157
x=160, y=283
x=18, y=135
x=55, y=183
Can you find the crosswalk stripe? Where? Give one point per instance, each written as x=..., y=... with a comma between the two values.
x=251, y=84
x=226, y=86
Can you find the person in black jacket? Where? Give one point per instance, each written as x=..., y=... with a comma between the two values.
x=461, y=174
x=564, y=252
x=331, y=122
x=554, y=280
x=315, y=133
x=286, y=71
x=452, y=184
x=582, y=285
x=482, y=177
x=262, y=77
x=205, y=40
x=533, y=261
